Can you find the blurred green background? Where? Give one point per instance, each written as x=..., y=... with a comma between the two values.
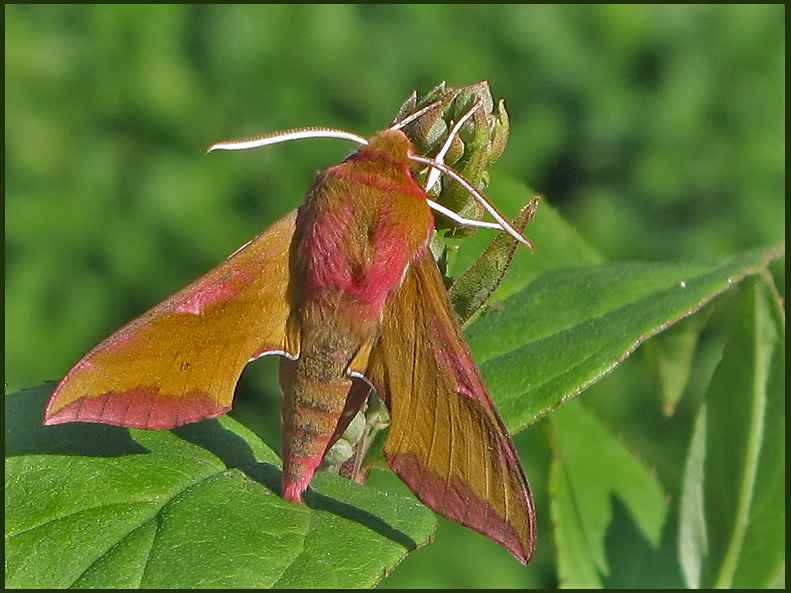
x=658, y=131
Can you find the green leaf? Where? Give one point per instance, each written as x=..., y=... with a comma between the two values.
x=734, y=488
x=569, y=328
x=672, y=354
x=576, y=565
x=99, y=506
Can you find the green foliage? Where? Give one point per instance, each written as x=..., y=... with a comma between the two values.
x=656, y=132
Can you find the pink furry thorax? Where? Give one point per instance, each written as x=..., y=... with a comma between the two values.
x=364, y=221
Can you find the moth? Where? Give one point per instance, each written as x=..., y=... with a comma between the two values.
x=346, y=291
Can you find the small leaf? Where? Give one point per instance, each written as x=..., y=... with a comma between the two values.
x=470, y=291
x=602, y=490
x=693, y=544
x=672, y=354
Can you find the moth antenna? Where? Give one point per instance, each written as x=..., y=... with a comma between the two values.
x=303, y=133
x=502, y=223
x=454, y=216
x=287, y=136
x=435, y=174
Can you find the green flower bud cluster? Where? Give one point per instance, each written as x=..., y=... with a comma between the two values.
x=478, y=144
